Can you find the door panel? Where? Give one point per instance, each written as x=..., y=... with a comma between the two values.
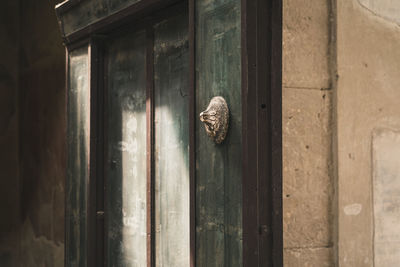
x=219, y=167
x=172, y=185
x=78, y=157
x=142, y=190
x=126, y=151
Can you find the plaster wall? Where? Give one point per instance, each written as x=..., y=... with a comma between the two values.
x=9, y=132
x=368, y=64
x=43, y=134
x=308, y=180
x=32, y=135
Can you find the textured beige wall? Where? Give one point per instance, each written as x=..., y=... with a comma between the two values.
x=368, y=53
x=341, y=79
x=308, y=184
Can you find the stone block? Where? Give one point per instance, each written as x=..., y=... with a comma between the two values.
x=306, y=43
x=309, y=257
x=307, y=182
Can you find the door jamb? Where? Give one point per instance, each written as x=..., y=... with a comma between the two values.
x=262, y=132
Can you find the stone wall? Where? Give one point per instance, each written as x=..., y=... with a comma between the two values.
x=368, y=125
x=341, y=127
x=308, y=180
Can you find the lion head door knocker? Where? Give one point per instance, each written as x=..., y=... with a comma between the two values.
x=216, y=119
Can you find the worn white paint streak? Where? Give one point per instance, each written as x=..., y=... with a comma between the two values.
x=130, y=146
x=352, y=209
x=131, y=124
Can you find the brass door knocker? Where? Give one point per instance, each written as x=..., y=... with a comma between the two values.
x=216, y=119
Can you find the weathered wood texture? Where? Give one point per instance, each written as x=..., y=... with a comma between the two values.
x=262, y=144
x=218, y=167
x=78, y=157
x=172, y=185
x=88, y=12
x=126, y=151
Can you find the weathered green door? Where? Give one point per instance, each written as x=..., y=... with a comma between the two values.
x=166, y=69
x=146, y=185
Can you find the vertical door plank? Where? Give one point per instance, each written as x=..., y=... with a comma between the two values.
x=78, y=157
x=219, y=167
x=126, y=152
x=172, y=185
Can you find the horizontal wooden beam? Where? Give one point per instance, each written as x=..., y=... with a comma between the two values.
x=131, y=13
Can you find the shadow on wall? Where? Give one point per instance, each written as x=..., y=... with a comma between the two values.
x=32, y=135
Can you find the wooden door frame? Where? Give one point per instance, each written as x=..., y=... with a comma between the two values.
x=262, y=132
x=261, y=60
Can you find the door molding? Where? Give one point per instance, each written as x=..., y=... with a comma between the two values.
x=106, y=24
x=262, y=132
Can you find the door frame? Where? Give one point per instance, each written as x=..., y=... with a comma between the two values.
x=261, y=60
x=262, y=132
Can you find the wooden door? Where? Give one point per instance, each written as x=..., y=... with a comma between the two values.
x=146, y=185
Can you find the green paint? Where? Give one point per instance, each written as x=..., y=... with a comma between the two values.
x=171, y=73
x=218, y=167
x=126, y=152
x=90, y=11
